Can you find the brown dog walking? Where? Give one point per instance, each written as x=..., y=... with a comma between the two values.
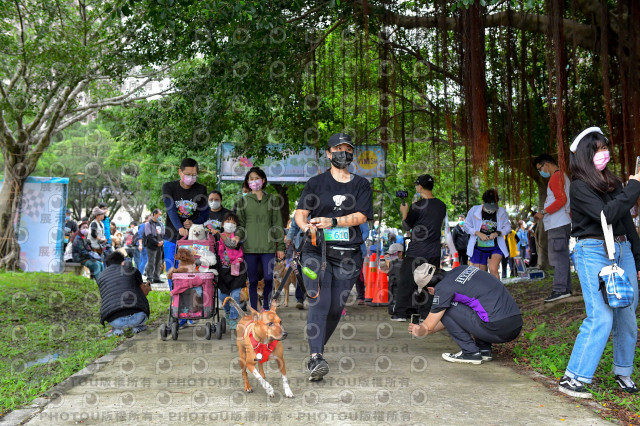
x=258, y=339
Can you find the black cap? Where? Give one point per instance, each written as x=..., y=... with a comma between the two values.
x=340, y=138
x=425, y=181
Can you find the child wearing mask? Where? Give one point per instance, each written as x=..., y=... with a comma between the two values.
x=231, y=268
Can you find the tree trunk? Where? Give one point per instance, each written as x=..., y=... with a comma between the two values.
x=10, y=197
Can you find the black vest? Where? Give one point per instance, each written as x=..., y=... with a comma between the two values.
x=120, y=292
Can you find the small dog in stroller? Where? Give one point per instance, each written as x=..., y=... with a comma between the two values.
x=187, y=262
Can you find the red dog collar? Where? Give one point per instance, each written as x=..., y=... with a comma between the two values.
x=262, y=350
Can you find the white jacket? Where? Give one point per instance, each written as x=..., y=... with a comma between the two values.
x=473, y=222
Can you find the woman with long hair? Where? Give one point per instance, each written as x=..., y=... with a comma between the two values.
x=595, y=189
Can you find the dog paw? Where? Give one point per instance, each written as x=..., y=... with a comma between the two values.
x=270, y=392
x=248, y=390
x=288, y=393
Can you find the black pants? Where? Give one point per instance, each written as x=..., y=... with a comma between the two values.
x=325, y=310
x=512, y=266
x=463, y=257
x=154, y=265
x=462, y=322
x=360, y=287
x=406, y=302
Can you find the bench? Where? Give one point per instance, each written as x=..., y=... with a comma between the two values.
x=76, y=268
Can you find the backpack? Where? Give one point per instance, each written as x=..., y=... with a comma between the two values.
x=129, y=239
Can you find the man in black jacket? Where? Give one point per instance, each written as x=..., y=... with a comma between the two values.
x=123, y=303
x=460, y=241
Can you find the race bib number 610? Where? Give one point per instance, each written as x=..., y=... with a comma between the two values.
x=336, y=234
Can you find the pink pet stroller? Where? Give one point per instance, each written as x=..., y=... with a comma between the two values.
x=194, y=295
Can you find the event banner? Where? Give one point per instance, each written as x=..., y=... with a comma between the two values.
x=39, y=224
x=299, y=167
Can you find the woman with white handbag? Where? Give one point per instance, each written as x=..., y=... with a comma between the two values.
x=606, y=242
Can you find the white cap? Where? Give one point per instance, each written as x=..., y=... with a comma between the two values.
x=423, y=274
x=585, y=132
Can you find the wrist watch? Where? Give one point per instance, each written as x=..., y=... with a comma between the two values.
x=334, y=222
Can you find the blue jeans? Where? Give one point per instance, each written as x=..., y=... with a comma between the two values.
x=228, y=308
x=130, y=321
x=141, y=260
x=169, y=257
x=589, y=257
x=95, y=266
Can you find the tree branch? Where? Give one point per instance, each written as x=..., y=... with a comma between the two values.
x=43, y=108
x=581, y=34
x=326, y=34
x=119, y=100
x=8, y=138
x=307, y=13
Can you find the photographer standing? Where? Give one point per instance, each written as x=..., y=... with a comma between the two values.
x=424, y=218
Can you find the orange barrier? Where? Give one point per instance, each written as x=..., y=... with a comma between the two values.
x=370, y=279
x=381, y=294
x=455, y=262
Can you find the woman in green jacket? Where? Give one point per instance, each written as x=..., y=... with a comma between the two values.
x=260, y=229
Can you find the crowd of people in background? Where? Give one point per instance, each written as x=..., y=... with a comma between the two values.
x=251, y=238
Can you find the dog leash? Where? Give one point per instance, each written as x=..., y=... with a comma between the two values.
x=315, y=239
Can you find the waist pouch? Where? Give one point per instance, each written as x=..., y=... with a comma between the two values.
x=337, y=254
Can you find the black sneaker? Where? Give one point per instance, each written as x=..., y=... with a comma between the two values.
x=626, y=384
x=486, y=354
x=299, y=305
x=399, y=319
x=573, y=387
x=464, y=358
x=317, y=368
x=556, y=295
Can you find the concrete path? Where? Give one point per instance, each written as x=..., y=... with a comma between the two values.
x=379, y=375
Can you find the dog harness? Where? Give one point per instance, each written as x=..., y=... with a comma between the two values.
x=262, y=350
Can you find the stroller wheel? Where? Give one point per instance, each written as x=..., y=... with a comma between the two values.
x=223, y=325
x=174, y=330
x=207, y=331
x=219, y=331
x=163, y=331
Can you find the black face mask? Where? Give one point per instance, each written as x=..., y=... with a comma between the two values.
x=341, y=159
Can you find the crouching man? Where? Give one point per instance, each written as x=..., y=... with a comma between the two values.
x=469, y=302
x=123, y=296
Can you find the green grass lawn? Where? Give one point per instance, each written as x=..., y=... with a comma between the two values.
x=46, y=314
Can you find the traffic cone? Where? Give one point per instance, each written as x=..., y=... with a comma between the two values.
x=376, y=283
x=456, y=262
x=370, y=279
x=381, y=295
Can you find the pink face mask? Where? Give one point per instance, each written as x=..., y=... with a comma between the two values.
x=189, y=180
x=255, y=185
x=84, y=231
x=601, y=159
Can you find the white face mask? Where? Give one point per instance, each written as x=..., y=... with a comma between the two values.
x=215, y=204
x=229, y=227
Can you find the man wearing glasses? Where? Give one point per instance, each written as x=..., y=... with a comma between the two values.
x=186, y=204
x=557, y=223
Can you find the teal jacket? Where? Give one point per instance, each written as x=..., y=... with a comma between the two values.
x=260, y=224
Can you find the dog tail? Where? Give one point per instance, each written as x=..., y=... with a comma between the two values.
x=235, y=305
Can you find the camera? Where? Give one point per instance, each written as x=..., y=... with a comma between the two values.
x=402, y=194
